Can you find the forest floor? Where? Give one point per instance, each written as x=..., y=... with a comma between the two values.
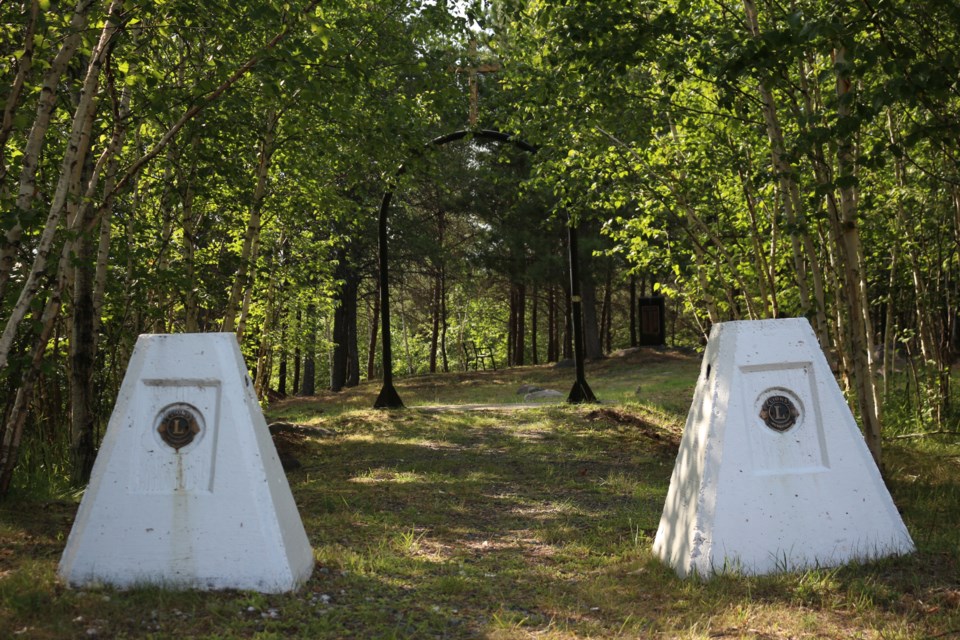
x=507, y=523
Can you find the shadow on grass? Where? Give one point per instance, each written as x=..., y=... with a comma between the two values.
x=502, y=525
x=492, y=521
x=542, y=523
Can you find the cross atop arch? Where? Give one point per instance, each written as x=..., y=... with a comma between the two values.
x=472, y=70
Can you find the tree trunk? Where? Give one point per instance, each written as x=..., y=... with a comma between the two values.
x=23, y=64
x=69, y=182
x=261, y=383
x=800, y=240
x=461, y=340
x=435, y=322
x=353, y=351
x=191, y=306
x=822, y=326
x=308, y=384
x=46, y=103
x=297, y=354
x=282, y=371
x=372, y=341
x=889, y=334
x=520, y=322
x=925, y=333
x=592, y=347
x=553, y=346
x=444, y=323
x=766, y=278
x=511, y=329
x=78, y=260
x=830, y=238
x=17, y=418
x=633, y=311
x=13, y=429
x=344, y=368
x=105, y=214
x=83, y=349
x=159, y=297
x=781, y=166
x=606, y=322
x=534, y=348
x=406, y=335
x=82, y=370
x=251, y=239
x=854, y=277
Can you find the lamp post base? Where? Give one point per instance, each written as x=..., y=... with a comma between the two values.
x=388, y=398
x=581, y=393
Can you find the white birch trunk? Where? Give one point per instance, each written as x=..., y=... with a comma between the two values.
x=801, y=243
x=27, y=190
x=856, y=298
x=24, y=64
x=70, y=177
x=251, y=239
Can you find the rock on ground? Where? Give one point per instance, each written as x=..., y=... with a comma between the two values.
x=528, y=388
x=543, y=394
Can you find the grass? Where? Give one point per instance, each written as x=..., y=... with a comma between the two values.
x=664, y=379
x=533, y=523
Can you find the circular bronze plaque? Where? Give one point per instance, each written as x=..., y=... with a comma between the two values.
x=779, y=413
x=178, y=426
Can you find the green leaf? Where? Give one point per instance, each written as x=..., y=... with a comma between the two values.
x=844, y=182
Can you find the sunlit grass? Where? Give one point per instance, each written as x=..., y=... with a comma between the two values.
x=661, y=379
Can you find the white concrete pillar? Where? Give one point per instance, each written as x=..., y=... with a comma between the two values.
x=187, y=489
x=773, y=473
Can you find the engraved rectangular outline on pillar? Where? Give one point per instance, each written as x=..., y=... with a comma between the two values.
x=155, y=467
x=758, y=434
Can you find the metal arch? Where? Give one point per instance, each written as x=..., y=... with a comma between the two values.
x=388, y=397
x=484, y=134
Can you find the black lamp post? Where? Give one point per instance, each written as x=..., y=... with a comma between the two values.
x=581, y=391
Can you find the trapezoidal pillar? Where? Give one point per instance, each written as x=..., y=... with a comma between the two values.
x=187, y=490
x=773, y=473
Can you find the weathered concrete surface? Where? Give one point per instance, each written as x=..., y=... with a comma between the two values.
x=215, y=513
x=747, y=497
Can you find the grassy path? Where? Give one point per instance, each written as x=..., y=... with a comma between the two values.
x=457, y=523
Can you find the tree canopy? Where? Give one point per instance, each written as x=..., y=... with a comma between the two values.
x=174, y=165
